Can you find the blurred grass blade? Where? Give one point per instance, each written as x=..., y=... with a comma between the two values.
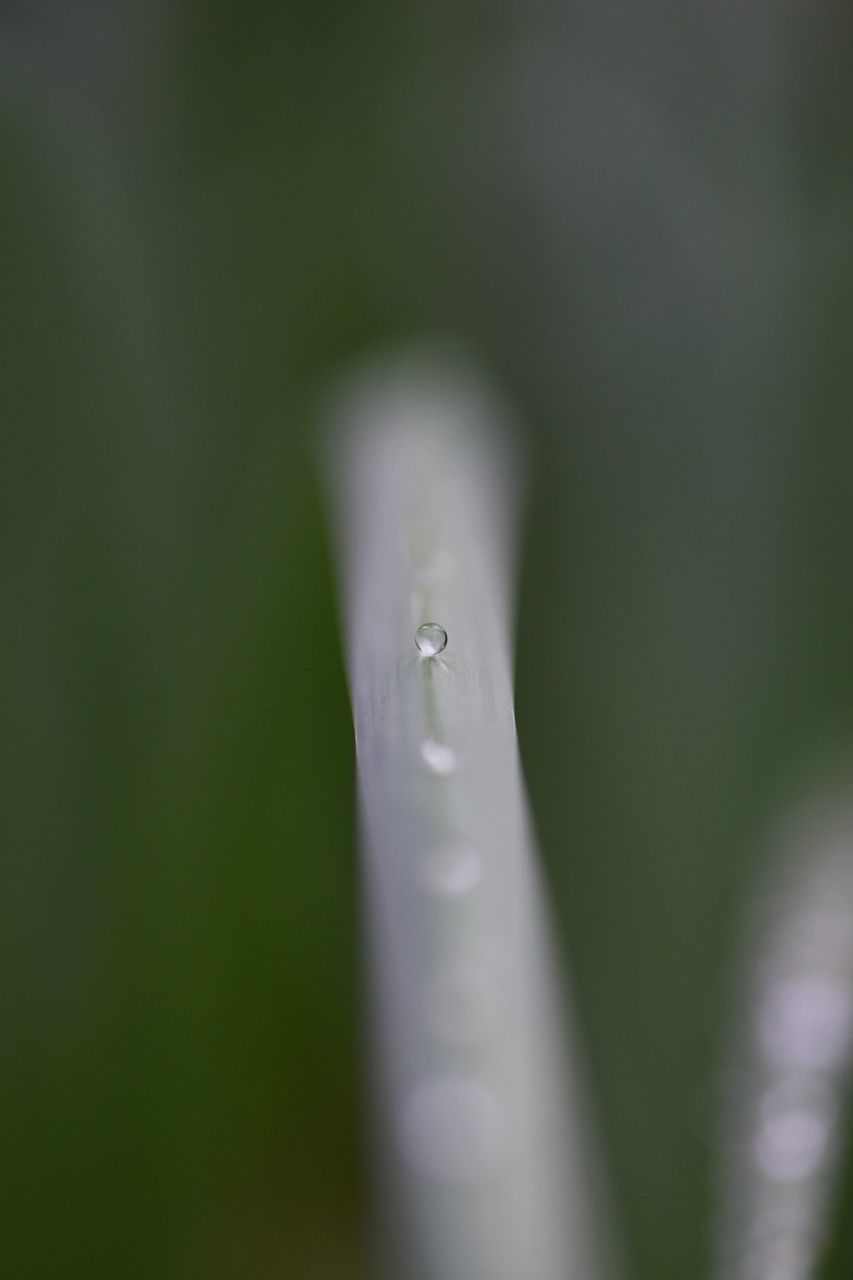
x=783, y=1113
x=484, y=1169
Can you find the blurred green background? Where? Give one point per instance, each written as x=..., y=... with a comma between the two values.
x=641, y=218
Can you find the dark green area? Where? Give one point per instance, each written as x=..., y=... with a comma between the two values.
x=642, y=220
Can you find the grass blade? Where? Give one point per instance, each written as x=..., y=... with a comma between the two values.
x=789, y=1080
x=485, y=1169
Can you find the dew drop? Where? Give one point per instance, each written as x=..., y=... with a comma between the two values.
x=797, y=1116
x=451, y=1129
x=438, y=757
x=791, y=1146
x=807, y=1023
x=451, y=870
x=430, y=639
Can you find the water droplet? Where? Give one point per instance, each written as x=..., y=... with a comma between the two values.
x=438, y=757
x=451, y=1129
x=782, y=1258
x=430, y=639
x=797, y=1118
x=451, y=870
x=792, y=1146
x=807, y=1023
